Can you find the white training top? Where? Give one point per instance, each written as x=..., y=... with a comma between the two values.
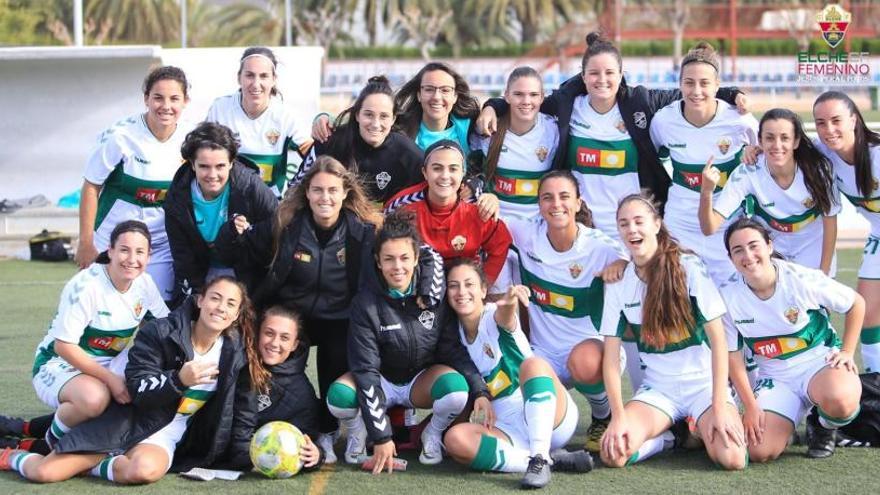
x=99, y=318
x=792, y=326
x=791, y=213
x=497, y=353
x=194, y=397
x=266, y=139
x=521, y=163
x=845, y=181
x=604, y=159
x=566, y=296
x=689, y=357
x=135, y=170
x=689, y=148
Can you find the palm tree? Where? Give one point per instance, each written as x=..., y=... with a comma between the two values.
x=137, y=21
x=531, y=14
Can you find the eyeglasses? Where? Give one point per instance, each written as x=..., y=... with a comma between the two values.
x=444, y=90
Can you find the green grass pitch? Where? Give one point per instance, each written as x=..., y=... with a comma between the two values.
x=30, y=295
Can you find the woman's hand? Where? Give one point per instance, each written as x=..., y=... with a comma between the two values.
x=750, y=154
x=383, y=455
x=241, y=224
x=85, y=254
x=487, y=123
x=484, y=412
x=838, y=358
x=197, y=373
x=728, y=425
x=488, y=204
x=615, y=441
x=309, y=453
x=742, y=103
x=753, y=423
x=322, y=128
x=118, y=390
x=711, y=177
x=516, y=294
x=613, y=272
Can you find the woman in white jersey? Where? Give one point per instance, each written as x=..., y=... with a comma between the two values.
x=779, y=310
x=130, y=170
x=691, y=131
x=76, y=369
x=854, y=151
x=562, y=260
x=256, y=113
x=522, y=149
x=189, y=377
x=534, y=416
x=667, y=303
x=788, y=188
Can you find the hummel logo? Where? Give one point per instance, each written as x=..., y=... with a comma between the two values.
x=385, y=328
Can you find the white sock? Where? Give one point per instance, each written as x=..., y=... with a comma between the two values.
x=104, y=469
x=446, y=409
x=653, y=446
x=539, y=410
x=498, y=455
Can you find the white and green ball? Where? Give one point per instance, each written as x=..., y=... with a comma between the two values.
x=276, y=448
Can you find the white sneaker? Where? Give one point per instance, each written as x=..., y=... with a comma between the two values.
x=432, y=447
x=325, y=442
x=356, y=445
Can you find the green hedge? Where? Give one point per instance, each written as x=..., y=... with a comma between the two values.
x=627, y=48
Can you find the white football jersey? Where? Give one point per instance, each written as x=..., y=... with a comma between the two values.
x=845, y=182
x=497, y=353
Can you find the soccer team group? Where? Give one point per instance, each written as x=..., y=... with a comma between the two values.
x=482, y=263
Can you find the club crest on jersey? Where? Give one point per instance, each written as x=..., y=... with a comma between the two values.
x=724, y=145
x=138, y=308
x=575, y=270
x=876, y=184
x=791, y=314
x=382, y=179
x=427, y=319
x=809, y=203
x=541, y=152
x=263, y=402
x=272, y=136
x=640, y=120
x=458, y=242
x=302, y=256
x=487, y=350
x=620, y=126
x=340, y=256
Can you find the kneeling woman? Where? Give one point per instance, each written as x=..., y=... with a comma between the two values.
x=189, y=378
x=401, y=352
x=780, y=310
x=533, y=413
x=668, y=300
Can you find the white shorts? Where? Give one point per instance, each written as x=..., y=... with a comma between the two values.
x=166, y=439
x=789, y=398
x=54, y=374
x=870, y=269
x=512, y=421
x=709, y=248
x=559, y=361
x=680, y=399
x=398, y=395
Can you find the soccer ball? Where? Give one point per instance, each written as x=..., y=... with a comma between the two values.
x=275, y=449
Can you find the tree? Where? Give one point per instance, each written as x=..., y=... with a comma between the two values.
x=135, y=21
x=675, y=16
x=420, y=21
x=532, y=15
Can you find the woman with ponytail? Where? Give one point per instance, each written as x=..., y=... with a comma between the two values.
x=384, y=160
x=603, y=130
x=522, y=149
x=191, y=378
x=788, y=188
x=565, y=262
x=669, y=306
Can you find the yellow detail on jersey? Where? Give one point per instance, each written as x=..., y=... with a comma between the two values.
x=499, y=383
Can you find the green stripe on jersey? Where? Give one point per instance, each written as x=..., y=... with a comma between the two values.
x=816, y=332
x=598, y=157
x=570, y=302
x=94, y=341
x=516, y=186
x=503, y=380
x=130, y=189
x=870, y=204
x=690, y=175
x=695, y=336
x=792, y=223
x=273, y=168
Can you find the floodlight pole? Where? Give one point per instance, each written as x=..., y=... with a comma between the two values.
x=77, y=22
x=183, y=23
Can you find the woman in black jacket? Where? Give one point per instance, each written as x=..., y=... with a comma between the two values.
x=598, y=112
x=386, y=161
x=211, y=187
x=402, y=352
x=189, y=376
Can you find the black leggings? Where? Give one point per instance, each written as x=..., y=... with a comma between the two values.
x=331, y=338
